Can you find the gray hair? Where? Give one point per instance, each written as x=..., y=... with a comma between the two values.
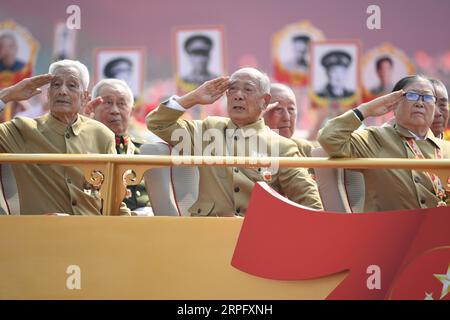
x=112, y=83
x=438, y=83
x=264, y=81
x=84, y=73
x=280, y=87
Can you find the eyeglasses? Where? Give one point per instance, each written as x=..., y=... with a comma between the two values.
x=414, y=96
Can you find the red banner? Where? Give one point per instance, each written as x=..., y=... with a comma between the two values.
x=395, y=254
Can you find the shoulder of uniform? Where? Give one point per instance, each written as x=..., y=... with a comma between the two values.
x=25, y=122
x=92, y=123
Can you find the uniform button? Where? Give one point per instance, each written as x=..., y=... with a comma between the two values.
x=422, y=201
x=67, y=135
x=416, y=179
x=236, y=170
x=259, y=169
x=235, y=138
x=199, y=210
x=68, y=180
x=236, y=189
x=238, y=210
x=74, y=202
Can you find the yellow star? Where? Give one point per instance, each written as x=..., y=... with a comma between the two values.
x=428, y=296
x=445, y=279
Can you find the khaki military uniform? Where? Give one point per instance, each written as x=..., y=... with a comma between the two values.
x=137, y=196
x=386, y=189
x=304, y=146
x=54, y=188
x=226, y=190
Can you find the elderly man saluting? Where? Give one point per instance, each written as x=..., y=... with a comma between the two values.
x=413, y=102
x=226, y=191
x=53, y=188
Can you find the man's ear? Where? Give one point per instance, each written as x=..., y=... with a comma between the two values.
x=266, y=98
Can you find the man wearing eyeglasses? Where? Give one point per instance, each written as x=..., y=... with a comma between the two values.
x=413, y=102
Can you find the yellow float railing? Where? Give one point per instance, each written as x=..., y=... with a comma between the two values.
x=113, y=172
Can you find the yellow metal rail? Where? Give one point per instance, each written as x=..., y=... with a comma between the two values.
x=120, y=170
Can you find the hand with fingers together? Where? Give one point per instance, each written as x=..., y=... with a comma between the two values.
x=89, y=107
x=381, y=105
x=25, y=89
x=207, y=93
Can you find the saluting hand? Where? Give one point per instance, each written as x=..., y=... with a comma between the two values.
x=381, y=105
x=207, y=93
x=25, y=89
x=89, y=108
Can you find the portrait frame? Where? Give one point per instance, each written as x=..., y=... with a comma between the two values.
x=64, y=41
x=319, y=79
x=135, y=55
x=27, y=52
x=216, y=65
x=402, y=66
x=283, y=56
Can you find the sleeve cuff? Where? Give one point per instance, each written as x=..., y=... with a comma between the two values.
x=173, y=104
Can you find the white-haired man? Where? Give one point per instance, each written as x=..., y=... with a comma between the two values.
x=53, y=188
x=226, y=191
x=281, y=115
x=114, y=112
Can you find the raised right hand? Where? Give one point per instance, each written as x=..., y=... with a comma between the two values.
x=25, y=89
x=207, y=93
x=381, y=105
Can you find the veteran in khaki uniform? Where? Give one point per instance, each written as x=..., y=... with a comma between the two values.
x=226, y=191
x=281, y=116
x=47, y=189
x=413, y=102
x=114, y=111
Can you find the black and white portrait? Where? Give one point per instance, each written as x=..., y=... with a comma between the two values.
x=199, y=55
x=122, y=64
x=64, y=42
x=335, y=72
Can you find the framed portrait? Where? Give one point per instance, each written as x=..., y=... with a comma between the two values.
x=64, y=42
x=18, y=52
x=126, y=64
x=199, y=55
x=291, y=52
x=335, y=74
x=381, y=68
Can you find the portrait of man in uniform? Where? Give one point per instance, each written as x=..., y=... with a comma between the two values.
x=199, y=56
x=335, y=73
x=122, y=64
x=336, y=65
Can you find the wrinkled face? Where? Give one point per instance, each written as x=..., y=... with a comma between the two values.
x=115, y=110
x=416, y=116
x=337, y=76
x=441, y=113
x=282, y=117
x=65, y=94
x=8, y=50
x=245, y=99
x=385, y=72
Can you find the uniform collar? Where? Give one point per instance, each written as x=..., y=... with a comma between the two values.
x=403, y=132
x=61, y=128
x=245, y=131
